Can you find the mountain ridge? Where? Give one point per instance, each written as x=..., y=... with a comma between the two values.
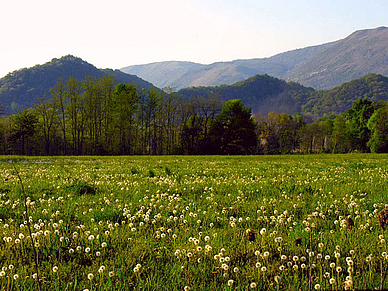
x=295, y=65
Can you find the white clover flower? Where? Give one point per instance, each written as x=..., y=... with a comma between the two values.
x=253, y=285
x=90, y=276
x=55, y=269
x=230, y=282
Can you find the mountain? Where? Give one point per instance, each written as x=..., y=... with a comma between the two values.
x=361, y=53
x=180, y=75
x=261, y=93
x=20, y=88
x=322, y=67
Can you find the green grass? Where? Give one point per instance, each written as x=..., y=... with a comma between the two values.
x=185, y=221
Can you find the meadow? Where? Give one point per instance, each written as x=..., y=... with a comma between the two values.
x=194, y=223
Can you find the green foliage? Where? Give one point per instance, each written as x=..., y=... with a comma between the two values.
x=378, y=125
x=24, y=127
x=80, y=188
x=233, y=131
x=358, y=117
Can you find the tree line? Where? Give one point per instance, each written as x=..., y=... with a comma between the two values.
x=100, y=117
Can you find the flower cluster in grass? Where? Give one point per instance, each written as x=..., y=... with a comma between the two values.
x=207, y=223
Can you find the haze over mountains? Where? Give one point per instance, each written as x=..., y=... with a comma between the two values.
x=321, y=67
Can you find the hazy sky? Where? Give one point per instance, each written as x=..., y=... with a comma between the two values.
x=119, y=33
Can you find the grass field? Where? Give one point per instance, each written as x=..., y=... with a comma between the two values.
x=194, y=223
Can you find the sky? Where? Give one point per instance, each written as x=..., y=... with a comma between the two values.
x=119, y=33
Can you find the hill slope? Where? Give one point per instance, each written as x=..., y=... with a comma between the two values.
x=20, y=88
x=322, y=67
x=373, y=87
x=262, y=93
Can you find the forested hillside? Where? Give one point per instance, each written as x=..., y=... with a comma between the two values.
x=373, y=87
x=264, y=94
x=261, y=93
x=21, y=88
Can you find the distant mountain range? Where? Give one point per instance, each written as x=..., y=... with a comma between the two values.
x=321, y=67
x=21, y=88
